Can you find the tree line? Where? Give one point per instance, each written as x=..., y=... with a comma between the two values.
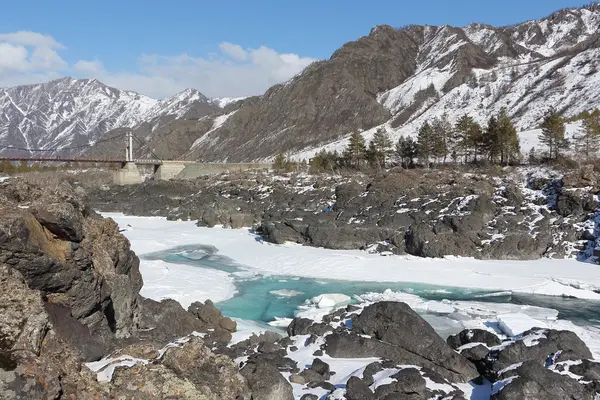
x=438, y=141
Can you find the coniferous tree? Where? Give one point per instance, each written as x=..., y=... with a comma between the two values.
x=442, y=135
x=279, y=162
x=356, y=150
x=468, y=138
x=587, y=142
x=406, y=149
x=380, y=148
x=553, y=135
x=426, y=143
x=507, y=139
x=490, y=142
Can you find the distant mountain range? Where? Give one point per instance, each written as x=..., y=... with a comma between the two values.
x=67, y=114
x=393, y=78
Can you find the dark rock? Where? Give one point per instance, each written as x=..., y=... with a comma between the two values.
x=321, y=368
x=309, y=396
x=356, y=389
x=589, y=370
x=310, y=375
x=266, y=382
x=396, y=324
x=476, y=353
x=533, y=382
x=546, y=343
x=473, y=336
x=371, y=370
x=167, y=320
x=345, y=193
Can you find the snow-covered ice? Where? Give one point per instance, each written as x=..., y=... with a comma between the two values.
x=545, y=276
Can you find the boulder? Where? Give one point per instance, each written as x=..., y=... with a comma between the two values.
x=396, y=324
x=356, y=389
x=473, y=336
x=199, y=365
x=266, y=382
x=531, y=381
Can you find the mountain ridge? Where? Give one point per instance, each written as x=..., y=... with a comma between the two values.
x=393, y=79
x=65, y=115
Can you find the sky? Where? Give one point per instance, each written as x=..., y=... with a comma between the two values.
x=222, y=48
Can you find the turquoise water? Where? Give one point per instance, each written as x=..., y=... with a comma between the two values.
x=258, y=297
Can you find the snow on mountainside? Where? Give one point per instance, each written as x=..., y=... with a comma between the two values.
x=399, y=78
x=539, y=64
x=70, y=114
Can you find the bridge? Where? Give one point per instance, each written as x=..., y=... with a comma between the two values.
x=129, y=171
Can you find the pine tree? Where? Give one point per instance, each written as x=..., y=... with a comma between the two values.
x=587, y=142
x=380, y=148
x=490, y=141
x=553, y=135
x=356, y=150
x=426, y=144
x=406, y=149
x=468, y=138
x=508, y=141
x=279, y=163
x=442, y=135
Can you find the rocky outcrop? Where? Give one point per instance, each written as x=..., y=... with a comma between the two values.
x=69, y=293
x=520, y=214
x=392, y=330
x=76, y=259
x=415, y=363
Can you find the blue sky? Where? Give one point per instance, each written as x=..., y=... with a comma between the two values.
x=126, y=41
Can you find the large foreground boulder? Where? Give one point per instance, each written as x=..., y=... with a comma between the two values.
x=392, y=330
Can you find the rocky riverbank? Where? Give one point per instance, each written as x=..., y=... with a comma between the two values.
x=73, y=326
x=515, y=213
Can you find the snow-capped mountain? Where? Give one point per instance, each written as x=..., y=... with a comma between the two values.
x=399, y=78
x=70, y=113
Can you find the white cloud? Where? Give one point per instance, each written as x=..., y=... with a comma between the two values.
x=30, y=57
x=235, y=51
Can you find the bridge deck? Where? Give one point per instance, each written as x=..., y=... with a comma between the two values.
x=80, y=160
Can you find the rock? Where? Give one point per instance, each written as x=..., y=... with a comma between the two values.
x=589, y=370
x=537, y=345
x=345, y=193
x=371, y=370
x=200, y=366
x=23, y=320
x=304, y=326
x=408, y=381
x=476, y=353
x=309, y=396
x=321, y=368
x=266, y=382
x=310, y=376
x=295, y=378
x=356, y=389
x=167, y=320
x=62, y=219
x=531, y=381
x=228, y=324
x=206, y=312
x=396, y=324
x=473, y=336
x=318, y=353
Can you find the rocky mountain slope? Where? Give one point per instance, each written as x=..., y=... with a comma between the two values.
x=398, y=78
x=68, y=114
